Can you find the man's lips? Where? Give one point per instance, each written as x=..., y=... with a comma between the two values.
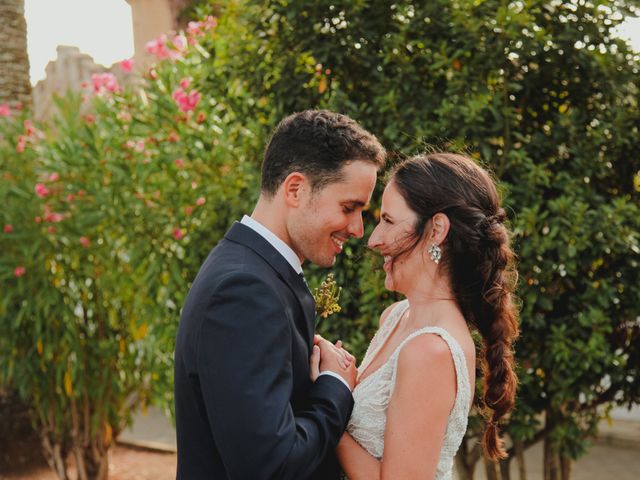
x=338, y=242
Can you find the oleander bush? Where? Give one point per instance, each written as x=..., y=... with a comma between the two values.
x=109, y=210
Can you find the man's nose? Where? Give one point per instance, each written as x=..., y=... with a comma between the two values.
x=356, y=228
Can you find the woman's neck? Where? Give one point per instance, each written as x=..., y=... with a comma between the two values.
x=427, y=301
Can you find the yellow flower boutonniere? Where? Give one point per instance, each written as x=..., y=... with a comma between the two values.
x=327, y=296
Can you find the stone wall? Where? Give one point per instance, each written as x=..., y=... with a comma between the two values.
x=15, y=87
x=69, y=71
x=150, y=19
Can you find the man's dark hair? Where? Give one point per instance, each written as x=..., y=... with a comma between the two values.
x=317, y=143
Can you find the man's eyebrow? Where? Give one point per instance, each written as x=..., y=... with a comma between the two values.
x=354, y=203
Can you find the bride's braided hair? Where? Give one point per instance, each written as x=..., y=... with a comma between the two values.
x=479, y=262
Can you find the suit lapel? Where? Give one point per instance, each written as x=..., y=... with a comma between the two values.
x=248, y=237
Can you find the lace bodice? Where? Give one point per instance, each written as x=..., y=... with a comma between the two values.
x=373, y=394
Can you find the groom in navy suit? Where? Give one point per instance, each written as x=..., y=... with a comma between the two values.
x=254, y=398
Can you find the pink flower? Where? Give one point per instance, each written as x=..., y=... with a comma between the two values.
x=51, y=229
x=22, y=142
x=137, y=145
x=41, y=190
x=188, y=210
x=104, y=82
x=210, y=22
x=53, y=217
x=180, y=42
x=185, y=82
x=158, y=47
x=29, y=128
x=85, y=242
x=71, y=197
x=194, y=185
x=19, y=271
x=193, y=29
x=5, y=110
x=177, y=94
x=8, y=228
x=186, y=101
x=54, y=177
x=179, y=163
x=200, y=201
x=127, y=65
x=178, y=233
x=37, y=219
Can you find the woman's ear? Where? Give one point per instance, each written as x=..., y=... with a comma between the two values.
x=294, y=187
x=439, y=228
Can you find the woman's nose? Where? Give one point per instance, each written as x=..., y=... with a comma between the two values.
x=374, y=239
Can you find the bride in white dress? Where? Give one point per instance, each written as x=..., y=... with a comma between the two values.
x=445, y=248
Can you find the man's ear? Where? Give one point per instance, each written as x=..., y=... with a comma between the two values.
x=294, y=188
x=440, y=225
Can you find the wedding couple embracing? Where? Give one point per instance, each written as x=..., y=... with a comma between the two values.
x=259, y=396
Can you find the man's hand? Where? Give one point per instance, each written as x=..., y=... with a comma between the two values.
x=327, y=356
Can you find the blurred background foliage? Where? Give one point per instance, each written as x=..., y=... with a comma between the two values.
x=540, y=92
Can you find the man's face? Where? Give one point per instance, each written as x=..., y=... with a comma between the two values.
x=327, y=218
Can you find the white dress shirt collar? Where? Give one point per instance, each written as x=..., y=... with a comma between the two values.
x=285, y=250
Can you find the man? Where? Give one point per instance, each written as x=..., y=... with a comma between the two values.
x=248, y=405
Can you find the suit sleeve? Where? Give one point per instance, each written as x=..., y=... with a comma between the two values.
x=244, y=364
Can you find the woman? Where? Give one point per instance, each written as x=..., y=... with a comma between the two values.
x=445, y=248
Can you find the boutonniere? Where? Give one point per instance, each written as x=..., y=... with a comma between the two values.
x=327, y=296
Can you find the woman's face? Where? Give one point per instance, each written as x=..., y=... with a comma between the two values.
x=394, y=235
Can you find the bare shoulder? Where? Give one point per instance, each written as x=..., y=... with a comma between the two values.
x=428, y=349
x=426, y=374
x=386, y=312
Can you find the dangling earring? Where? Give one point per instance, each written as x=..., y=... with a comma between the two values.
x=435, y=252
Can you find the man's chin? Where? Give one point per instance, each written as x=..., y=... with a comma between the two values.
x=325, y=262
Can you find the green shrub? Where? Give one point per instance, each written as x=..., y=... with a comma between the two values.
x=544, y=95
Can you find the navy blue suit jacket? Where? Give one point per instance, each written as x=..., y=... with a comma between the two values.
x=245, y=405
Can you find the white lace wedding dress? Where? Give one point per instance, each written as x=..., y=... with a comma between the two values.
x=372, y=395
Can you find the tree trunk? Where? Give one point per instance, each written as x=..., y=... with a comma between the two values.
x=56, y=457
x=522, y=471
x=55, y=444
x=96, y=464
x=91, y=450
x=505, y=466
x=492, y=469
x=566, y=463
x=466, y=459
x=464, y=471
x=15, y=85
x=551, y=461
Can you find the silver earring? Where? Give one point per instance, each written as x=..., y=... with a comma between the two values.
x=435, y=252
